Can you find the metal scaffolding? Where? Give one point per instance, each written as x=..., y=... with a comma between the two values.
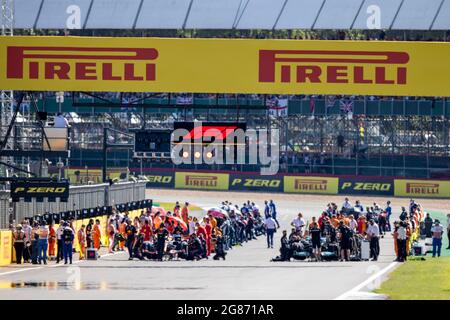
x=6, y=96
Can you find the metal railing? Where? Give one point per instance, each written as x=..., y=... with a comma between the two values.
x=296, y=105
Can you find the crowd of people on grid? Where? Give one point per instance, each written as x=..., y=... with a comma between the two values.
x=153, y=234
x=343, y=227
x=336, y=230
x=35, y=241
x=159, y=235
x=178, y=234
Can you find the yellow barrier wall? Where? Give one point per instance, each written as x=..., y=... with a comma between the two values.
x=79, y=176
x=129, y=64
x=200, y=180
x=299, y=184
x=422, y=188
x=5, y=247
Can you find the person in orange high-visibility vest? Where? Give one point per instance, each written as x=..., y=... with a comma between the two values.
x=52, y=241
x=97, y=234
x=122, y=228
x=185, y=213
x=213, y=222
x=334, y=221
x=176, y=210
x=81, y=237
x=156, y=221
x=361, y=226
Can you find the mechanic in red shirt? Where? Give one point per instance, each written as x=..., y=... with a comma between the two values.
x=146, y=230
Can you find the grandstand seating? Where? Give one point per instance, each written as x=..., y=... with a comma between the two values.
x=397, y=165
x=397, y=106
x=232, y=14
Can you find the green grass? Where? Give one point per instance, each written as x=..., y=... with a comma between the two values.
x=419, y=280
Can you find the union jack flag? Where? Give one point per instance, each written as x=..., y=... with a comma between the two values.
x=346, y=106
x=329, y=101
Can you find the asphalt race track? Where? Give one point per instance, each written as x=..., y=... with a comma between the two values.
x=246, y=274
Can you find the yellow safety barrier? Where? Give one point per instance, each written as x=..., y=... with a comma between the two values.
x=298, y=184
x=6, y=244
x=401, y=68
x=422, y=188
x=200, y=180
x=7, y=252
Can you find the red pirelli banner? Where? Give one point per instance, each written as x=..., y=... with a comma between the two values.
x=225, y=66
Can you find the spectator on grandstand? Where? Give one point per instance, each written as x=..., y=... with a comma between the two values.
x=60, y=121
x=307, y=163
